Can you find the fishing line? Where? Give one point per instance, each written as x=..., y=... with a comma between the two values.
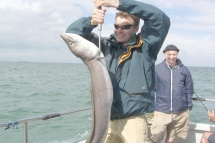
x=119, y=123
x=201, y=101
x=149, y=123
x=151, y=140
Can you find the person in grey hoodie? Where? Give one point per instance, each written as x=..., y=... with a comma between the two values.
x=130, y=63
x=174, y=90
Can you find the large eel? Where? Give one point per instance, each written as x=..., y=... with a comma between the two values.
x=101, y=86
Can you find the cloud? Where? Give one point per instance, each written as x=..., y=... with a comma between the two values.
x=194, y=50
x=31, y=29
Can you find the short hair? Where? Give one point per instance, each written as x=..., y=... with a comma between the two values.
x=122, y=14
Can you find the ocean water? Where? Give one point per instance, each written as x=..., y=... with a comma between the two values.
x=29, y=90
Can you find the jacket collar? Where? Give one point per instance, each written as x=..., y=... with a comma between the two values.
x=178, y=61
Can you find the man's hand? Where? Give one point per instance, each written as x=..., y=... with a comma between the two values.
x=106, y=3
x=98, y=16
x=211, y=115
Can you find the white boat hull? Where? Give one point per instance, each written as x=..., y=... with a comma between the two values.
x=195, y=133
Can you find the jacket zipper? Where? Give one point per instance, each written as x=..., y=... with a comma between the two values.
x=171, y=85
x=171, y=91
x=128, y=53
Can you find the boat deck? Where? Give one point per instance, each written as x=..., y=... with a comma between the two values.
x=195, y=133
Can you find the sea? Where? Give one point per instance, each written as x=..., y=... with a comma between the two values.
x=29, y=90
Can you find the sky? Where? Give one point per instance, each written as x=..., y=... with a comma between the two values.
x=30, y=29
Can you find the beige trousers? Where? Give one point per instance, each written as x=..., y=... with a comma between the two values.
x=175, y=125
x=130, y=130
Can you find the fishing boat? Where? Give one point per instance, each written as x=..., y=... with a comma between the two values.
x=195, y=131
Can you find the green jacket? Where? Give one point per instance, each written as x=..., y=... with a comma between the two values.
x=132, y=68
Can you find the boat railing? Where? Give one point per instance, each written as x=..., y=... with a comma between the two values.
x=14, y=124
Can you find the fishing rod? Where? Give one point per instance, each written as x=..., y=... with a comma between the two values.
x=203, y=99
x=100, y=29
x=200, y=99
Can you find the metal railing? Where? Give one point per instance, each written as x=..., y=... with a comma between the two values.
x=14, y=124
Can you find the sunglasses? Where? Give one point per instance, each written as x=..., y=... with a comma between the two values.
x=123, y=27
